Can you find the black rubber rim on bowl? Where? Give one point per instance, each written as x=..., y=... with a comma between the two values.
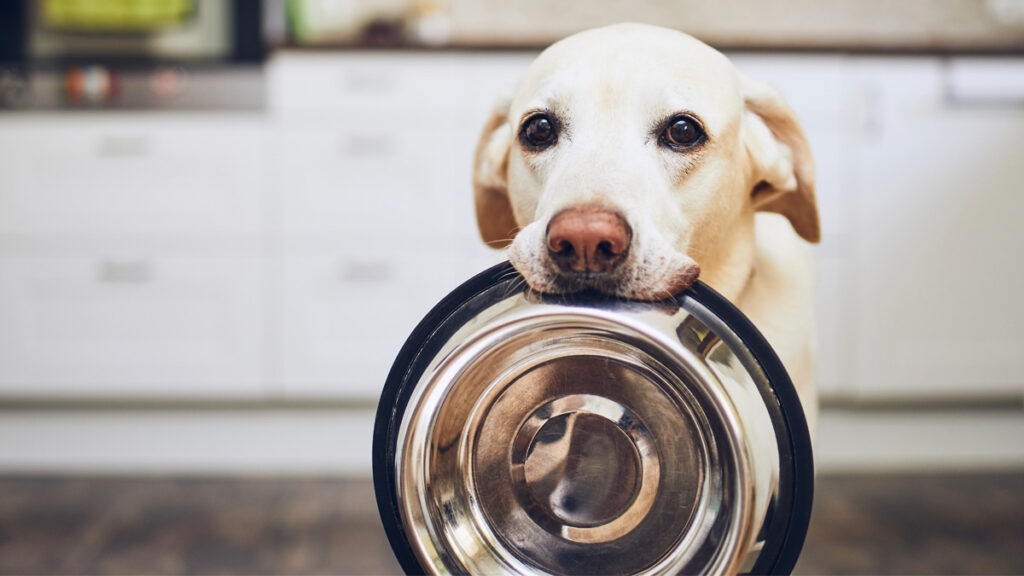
x=787, y=526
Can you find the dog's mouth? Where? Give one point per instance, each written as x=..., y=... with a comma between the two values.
x=651, y=280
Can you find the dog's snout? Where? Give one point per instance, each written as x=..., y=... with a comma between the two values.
x=588, y=240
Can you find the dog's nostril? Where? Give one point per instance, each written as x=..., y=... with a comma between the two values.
x=564, y=248
x=605, y=247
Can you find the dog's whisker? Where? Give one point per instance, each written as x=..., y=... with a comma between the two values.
x=497, y=242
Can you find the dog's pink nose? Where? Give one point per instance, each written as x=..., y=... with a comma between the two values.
x=588, y=240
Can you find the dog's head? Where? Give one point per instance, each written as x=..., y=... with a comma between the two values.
x=630, y=158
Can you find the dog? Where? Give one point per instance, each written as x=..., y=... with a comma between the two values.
x=632, y=159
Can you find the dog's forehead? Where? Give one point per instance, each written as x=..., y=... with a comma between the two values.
x=656, y=68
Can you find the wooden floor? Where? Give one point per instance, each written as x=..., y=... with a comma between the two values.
x=967, y=524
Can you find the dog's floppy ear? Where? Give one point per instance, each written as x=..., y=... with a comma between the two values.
x=783, y=170
x=494, y=215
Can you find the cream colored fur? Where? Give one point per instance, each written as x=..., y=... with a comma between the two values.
x=724, y=205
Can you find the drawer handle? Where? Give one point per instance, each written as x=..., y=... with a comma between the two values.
x=368, y=145
x=984, y=83
x=124, y=271
x=368, y=272
x=368, y=83
x=122, y=146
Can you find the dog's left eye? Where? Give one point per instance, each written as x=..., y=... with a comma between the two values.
x=682, y=133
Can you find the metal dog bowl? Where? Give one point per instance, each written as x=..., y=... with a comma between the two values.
x=525, y=434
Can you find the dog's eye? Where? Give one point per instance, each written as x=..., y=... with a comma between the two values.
x=682, y=133
x=538, y=132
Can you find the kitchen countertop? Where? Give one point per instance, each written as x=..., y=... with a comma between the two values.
x=873, y=26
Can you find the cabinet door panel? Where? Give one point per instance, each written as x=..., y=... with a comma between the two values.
x=376, y=184
x=157, y=327
x=112, y=175
x=347, y=313
x=836, y=354
x=940, y=234
x=382, y=84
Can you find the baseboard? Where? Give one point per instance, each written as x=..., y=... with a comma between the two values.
x=920, y=439
x=272, y=441
x=337, y=440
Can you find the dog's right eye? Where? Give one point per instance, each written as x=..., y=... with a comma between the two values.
x=538, y=132
x=682, y=133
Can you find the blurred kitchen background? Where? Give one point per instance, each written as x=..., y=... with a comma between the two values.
x=220, y=219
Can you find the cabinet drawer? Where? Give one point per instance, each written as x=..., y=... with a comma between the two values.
x=373, y=182
x=939, y=210
x=119, y=175
x=165, y=327
x=347, y=314
x=391, y=83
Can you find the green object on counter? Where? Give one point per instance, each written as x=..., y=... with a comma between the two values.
x=313, y=22
x=116, y=15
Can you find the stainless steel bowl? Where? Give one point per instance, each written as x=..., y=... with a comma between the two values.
x=526, y=434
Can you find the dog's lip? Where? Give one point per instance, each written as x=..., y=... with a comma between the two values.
x=617, y=283
x=686, y=278
x=576, y=281
x=614, y=285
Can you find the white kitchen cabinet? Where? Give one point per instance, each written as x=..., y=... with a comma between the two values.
x=377, y=206
x=918, y=162
x=349, y=306
x=132, y=327
x=379, y=226
x=348, y=312
x=382, y=85
x=172, y=255
x=404, y=184
x=130, y=174
x=378, y=184
x=939, y=211
x=133, y=255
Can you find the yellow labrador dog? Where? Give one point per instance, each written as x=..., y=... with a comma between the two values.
x=632, y=159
